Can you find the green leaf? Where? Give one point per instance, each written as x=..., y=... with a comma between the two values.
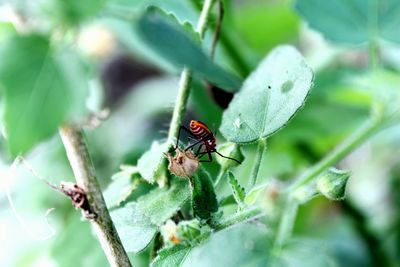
x=254, y=194
x=162, y=203
x=122, y=185
x=237, y=190
x=148, y=163
x=171, y=257
x=269, y=98
x=243, y=245
x=352, y=21
x=134, y=228
x=176, y=43
x=42, y=89
x=70, y=12
x=204, y=199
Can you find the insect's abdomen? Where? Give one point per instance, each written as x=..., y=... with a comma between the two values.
x=199, y=129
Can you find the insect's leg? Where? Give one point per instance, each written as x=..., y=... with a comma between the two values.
x=179, y=134
x=198, y=150
x=226, y=156
x=195, y=143
x=209, y=157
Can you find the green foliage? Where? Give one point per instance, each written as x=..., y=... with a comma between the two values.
x=160, y=204
x=171, y=257
x=244, y=245
x=174, y=42
x=352, y=21
x=269, y=98
x=238, y=191
x=134, y=228
x=204, y=200
x=42, y=88
x=149, y=162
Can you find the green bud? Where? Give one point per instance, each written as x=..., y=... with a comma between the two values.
x=332, y=183
x=231, y=150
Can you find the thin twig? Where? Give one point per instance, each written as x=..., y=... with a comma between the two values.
x=83, y=169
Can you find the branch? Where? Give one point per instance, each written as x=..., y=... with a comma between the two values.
x=83, y=169
x=186, y=79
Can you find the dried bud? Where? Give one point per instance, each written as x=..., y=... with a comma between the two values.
x=183, y=164
x=78, y=197
x=169, y=232
x=231, y=150
x=332, y=183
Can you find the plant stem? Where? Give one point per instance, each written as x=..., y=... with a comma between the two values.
x=257, y=162
x=241, y=65
x=246, y=215
x=353, y=141
x=286, y=225
x=221, y=174
x=186, y=79
x=83, y=169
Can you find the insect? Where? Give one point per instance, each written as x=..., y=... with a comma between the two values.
x=204, y=137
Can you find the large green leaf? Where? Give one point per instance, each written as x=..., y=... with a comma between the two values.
x=42, y=89
x=171, y=257
x=160, y=204
x=134, y=228
x=177, y=43
x=353, y=21
x=243, y=245
x=269, y=98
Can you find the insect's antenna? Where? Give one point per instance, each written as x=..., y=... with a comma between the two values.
x=227, y=157
x=38, y=176
x=27, y=229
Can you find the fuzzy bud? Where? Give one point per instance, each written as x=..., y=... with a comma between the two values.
x=332, y=183
x=230, y=150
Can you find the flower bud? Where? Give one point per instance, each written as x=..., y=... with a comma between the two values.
x=230, y=150
x=332, y=183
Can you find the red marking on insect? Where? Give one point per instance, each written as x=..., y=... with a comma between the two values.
x=205, y=138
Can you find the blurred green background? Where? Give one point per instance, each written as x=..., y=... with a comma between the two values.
x=139, y=88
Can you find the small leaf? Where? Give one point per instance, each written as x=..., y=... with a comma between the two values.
x=238, y=191
x=162, y=203
x=332, y=183
x=254, y=193
x=42, y=89
x=121, y=186
x=269, y=98
x=134, y=228
x=165, y=35
x=171, y=257
x=204, y=199
x=351, y=21
x=149, y=162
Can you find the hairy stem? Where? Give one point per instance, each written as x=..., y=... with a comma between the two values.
x=244, y=216
x=83, y=169
x=186, y=79
x=285, y=226
x=237, y=59
x=257, y=162
x=352, y=142
x=221, y=174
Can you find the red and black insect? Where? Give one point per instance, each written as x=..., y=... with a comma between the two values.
x=204, y=137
